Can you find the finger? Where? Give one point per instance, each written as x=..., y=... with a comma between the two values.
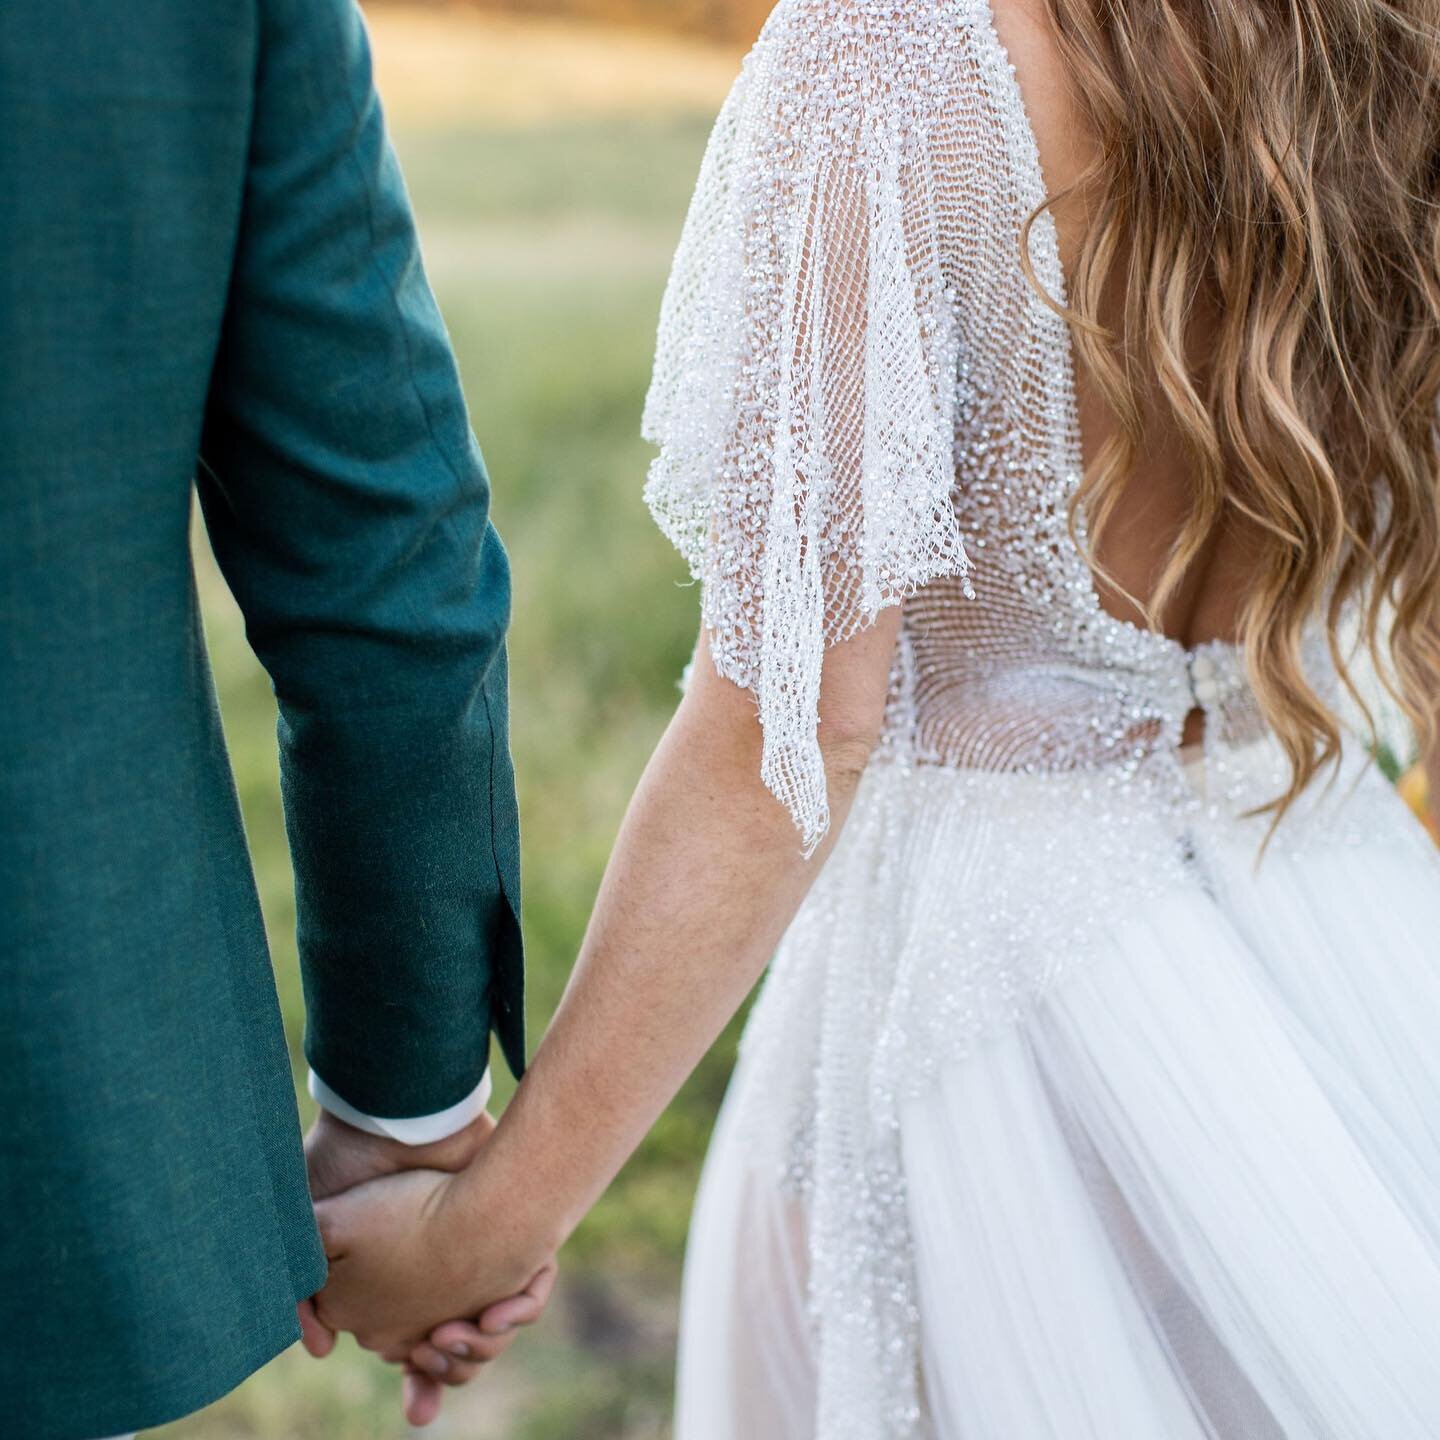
x=462, y=1372
x=460, y=1341
x=503, y=1316
x=461, y=1338
x=543, y=1283
x=421, y=1398
x=522, y=1309
x=329, y=1218
x=430, y=1361
x=445, y=1368
x=315, y=1336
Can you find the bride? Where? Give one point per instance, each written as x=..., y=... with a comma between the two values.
x=1046, y=400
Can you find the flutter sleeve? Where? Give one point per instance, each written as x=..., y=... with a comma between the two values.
x=804, y=386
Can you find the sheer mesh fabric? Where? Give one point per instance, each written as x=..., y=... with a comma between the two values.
x=857, y=394
x=804, y=397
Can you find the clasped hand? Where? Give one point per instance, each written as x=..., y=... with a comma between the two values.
x=414, y=1242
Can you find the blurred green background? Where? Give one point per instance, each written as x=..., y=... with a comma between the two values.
x=550, y=163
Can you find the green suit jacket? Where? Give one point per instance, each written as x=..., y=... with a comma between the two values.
x=210, y=277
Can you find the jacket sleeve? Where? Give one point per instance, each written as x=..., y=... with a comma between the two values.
x=348, y=506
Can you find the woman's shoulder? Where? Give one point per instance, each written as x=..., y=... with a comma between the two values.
x=851, y=63
x=835, y=25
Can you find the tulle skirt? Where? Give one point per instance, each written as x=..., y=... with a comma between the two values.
x=1060, y=1119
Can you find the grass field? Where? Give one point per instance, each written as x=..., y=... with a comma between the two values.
x=550, y=165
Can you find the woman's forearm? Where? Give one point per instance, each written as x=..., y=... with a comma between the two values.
x=706, y=875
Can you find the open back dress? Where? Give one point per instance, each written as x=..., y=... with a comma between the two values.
x=1063, y=1113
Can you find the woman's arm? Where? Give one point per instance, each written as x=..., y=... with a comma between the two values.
x=706, y=875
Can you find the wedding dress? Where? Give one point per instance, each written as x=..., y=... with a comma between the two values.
x=1063, y=1113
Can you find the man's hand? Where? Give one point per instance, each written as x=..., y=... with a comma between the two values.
x=339, y=1158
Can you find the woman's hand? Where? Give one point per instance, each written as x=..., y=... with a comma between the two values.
x=456, y=1352
x=413, y=1250
x=339, y=1158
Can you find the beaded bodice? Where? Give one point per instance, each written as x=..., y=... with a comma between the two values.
x=860, y=400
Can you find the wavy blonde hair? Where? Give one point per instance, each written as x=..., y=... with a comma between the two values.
x=1284, y=154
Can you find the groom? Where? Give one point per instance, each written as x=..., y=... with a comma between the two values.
x=210, y=274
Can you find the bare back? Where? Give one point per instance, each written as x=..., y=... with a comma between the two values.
x=1156, y=502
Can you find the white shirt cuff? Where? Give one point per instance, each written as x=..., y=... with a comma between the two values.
x=418, y=1129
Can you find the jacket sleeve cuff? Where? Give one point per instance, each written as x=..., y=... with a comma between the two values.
x=415, y=1130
